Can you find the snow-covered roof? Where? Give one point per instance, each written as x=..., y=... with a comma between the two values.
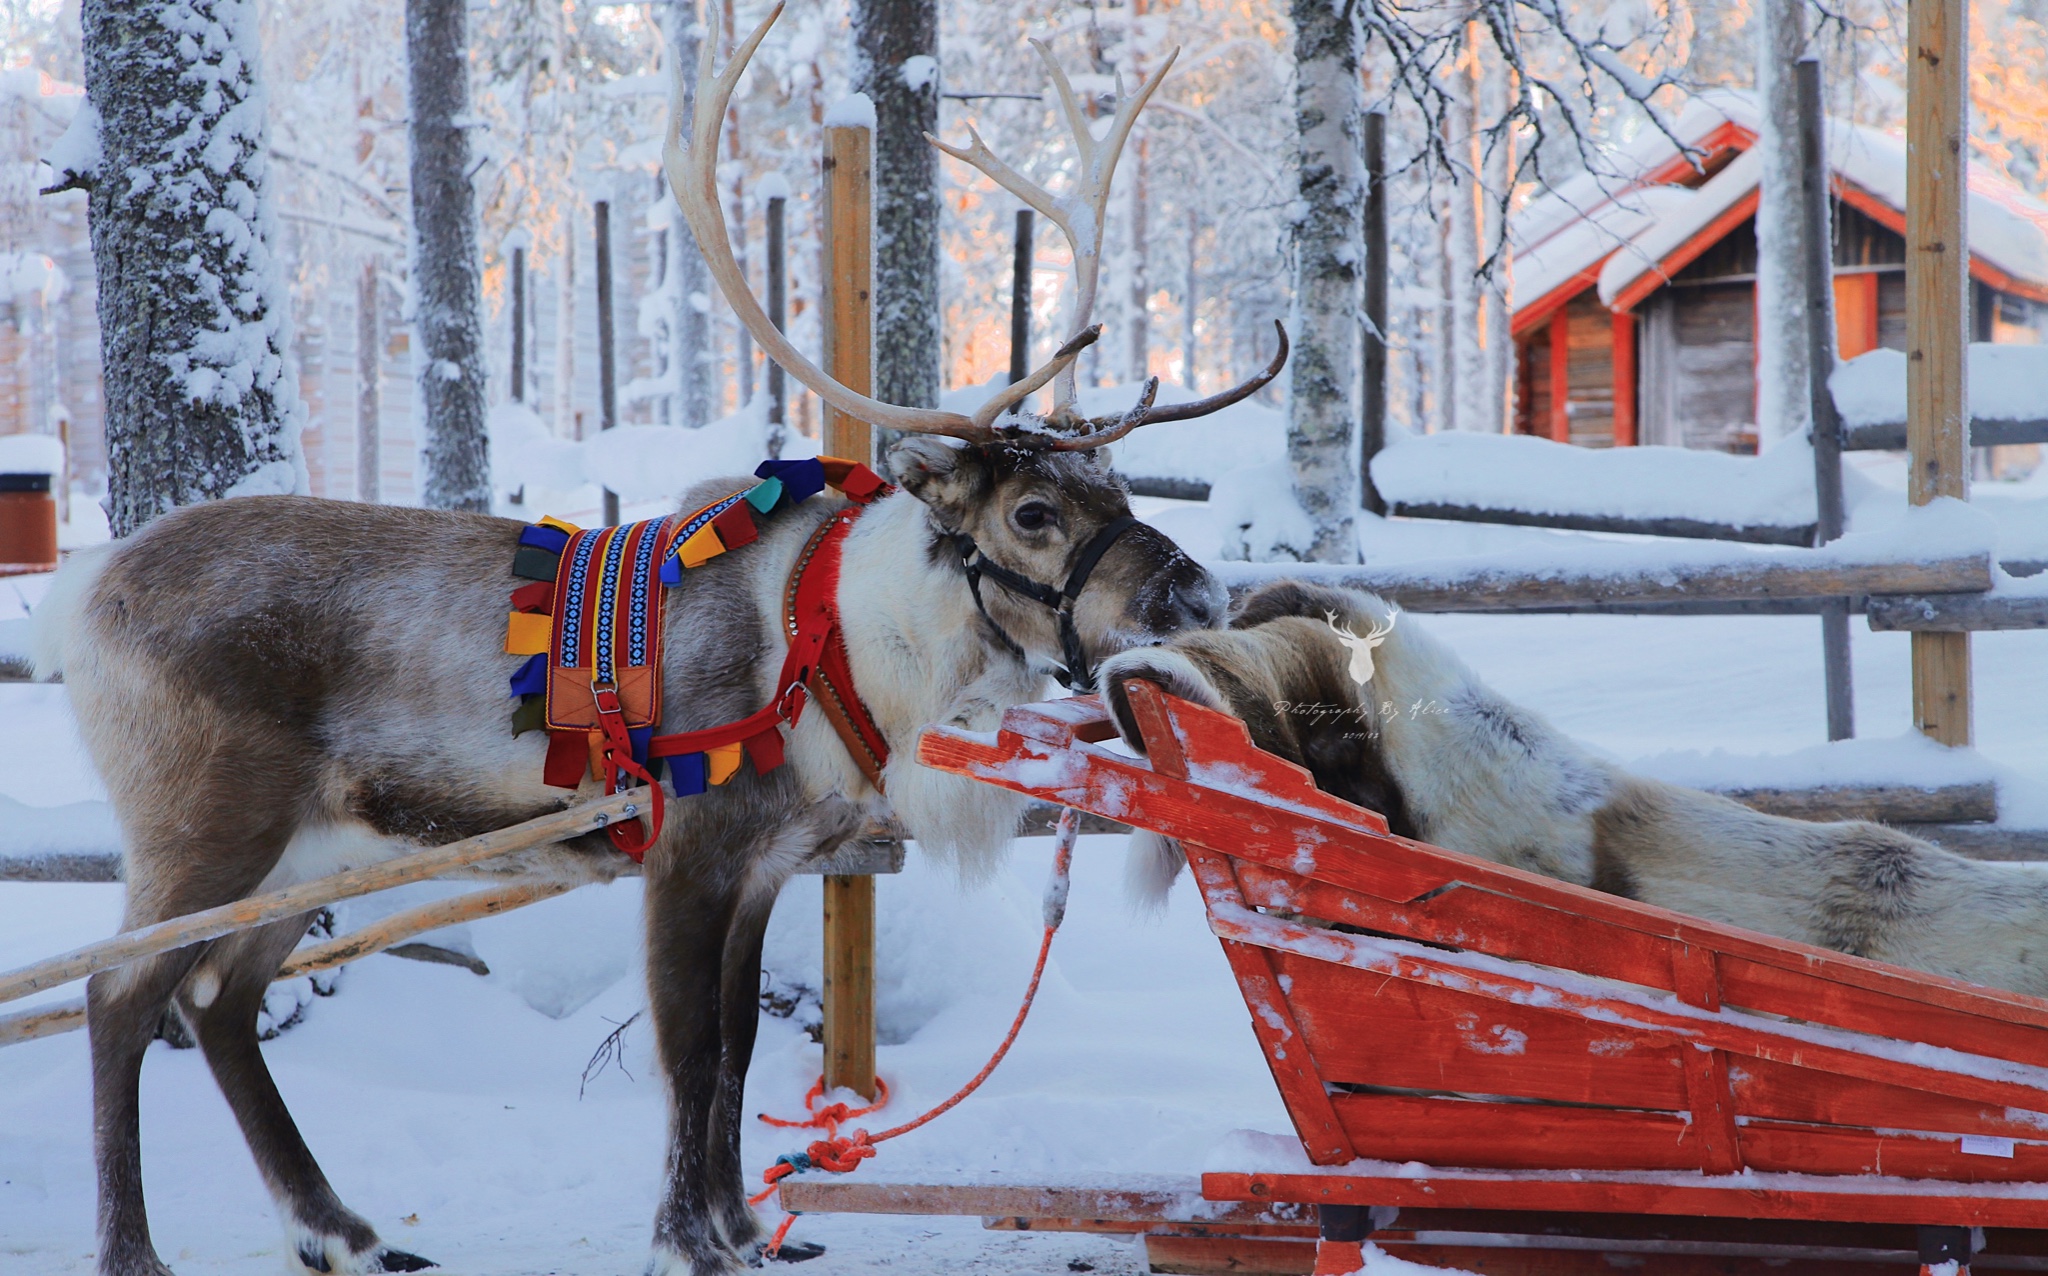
x=1570, y=229
x=1633, y=164
x=1648, y=250
x=1578, y=249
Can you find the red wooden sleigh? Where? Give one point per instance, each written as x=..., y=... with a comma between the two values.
x=1472, y=1041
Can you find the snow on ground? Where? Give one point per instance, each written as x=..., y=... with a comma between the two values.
x=436, y=1096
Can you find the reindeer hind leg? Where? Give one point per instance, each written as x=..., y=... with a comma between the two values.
x=326, y=1236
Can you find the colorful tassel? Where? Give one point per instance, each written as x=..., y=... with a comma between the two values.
x=541, y=536
x=735, y=527
x=527, y=634
x=763, y=495
x=532, y=678
x=686, y=774
x=701, y=548
x=723, y=762
x=531, y=715
x=568, y=759
x=539, y=596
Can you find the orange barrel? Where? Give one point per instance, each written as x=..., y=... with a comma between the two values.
x=28, y=524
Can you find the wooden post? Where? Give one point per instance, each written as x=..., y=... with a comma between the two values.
x=849, y=273
x=1937, y=294
x=518, y=325
x=1560, y=377
x=778, y=303
x=1373, y=402
x=607, y=362
x=1817, y=250
x=849, y=997
x=1020, y=298
x=1625, y=379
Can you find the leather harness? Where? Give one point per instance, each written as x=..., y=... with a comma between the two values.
x=600, y=738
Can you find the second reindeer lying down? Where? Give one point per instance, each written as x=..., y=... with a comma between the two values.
x=1447, y=760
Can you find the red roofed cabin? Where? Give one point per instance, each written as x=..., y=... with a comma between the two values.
x=1637, y=322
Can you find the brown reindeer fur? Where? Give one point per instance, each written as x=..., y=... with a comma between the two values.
x=275, y=688
x=1449, y=761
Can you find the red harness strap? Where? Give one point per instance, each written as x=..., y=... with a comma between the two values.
x=815, y=664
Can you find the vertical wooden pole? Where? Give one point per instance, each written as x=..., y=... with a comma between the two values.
x=1817, y=250
x=849, y=357
x=849, y=274
x=1373, y=416
x=778, y=303
x=1020, y=297
x=1625, y=379
x=518, y=325
x=1560, y=377
x=1937, y=312
x=607, y=362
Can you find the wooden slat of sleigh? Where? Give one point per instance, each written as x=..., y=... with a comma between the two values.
x=1370, y=962
x=1480, y=920
x=1406, y=1037
x=1847, y=1201
x=1397, y=870
x=1478, y=1134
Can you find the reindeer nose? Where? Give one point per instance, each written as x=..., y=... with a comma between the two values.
x=1198, y=603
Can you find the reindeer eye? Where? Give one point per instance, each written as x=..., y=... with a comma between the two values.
x=1032, y=515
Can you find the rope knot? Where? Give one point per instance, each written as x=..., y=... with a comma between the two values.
x=841, y=1156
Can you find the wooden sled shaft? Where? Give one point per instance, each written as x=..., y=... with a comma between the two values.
x=258, y=910
x=50, y=1021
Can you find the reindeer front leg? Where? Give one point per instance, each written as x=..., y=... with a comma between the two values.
x=691, y=909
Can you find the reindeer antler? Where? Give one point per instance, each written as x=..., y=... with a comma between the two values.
x=1080, y=214
x=693, y=176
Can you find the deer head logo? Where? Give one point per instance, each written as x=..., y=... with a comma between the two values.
x=1361, y=647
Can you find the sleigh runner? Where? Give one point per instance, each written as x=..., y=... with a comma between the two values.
x=1451, y=1034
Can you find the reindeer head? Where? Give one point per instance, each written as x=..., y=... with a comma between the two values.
x=1019, y=494
x=1361, y=647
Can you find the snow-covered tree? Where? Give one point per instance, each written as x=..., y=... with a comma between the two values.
x=1781, y=399
x=193, y=311
x=896, y=45
x=446, y=285
x=689, y=283
x=1322, y=422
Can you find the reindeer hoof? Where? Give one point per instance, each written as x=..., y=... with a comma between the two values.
x=791, y=1252
x=397, y=1260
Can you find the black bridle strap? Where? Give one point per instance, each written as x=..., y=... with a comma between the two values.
x=1078, y=675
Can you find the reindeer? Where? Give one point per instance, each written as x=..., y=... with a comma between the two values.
x=275, y=688
x=1447, y=760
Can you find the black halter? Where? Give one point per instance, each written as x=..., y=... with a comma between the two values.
x=1077, y=675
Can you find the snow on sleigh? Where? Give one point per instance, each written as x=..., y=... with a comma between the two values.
x=1474, y=1055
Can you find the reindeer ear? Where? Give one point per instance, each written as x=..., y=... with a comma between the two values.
x=1168, y=670
x=943, y=473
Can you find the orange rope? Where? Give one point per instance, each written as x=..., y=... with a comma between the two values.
x=843, y=1155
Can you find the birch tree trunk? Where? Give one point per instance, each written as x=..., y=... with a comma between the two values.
x=447, y=275
x=1782, y=410
x=1329, y=253
x=690, y=341
x=193, y=313
x=1497, y=170
x=1467, y=388
x=897, y=43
